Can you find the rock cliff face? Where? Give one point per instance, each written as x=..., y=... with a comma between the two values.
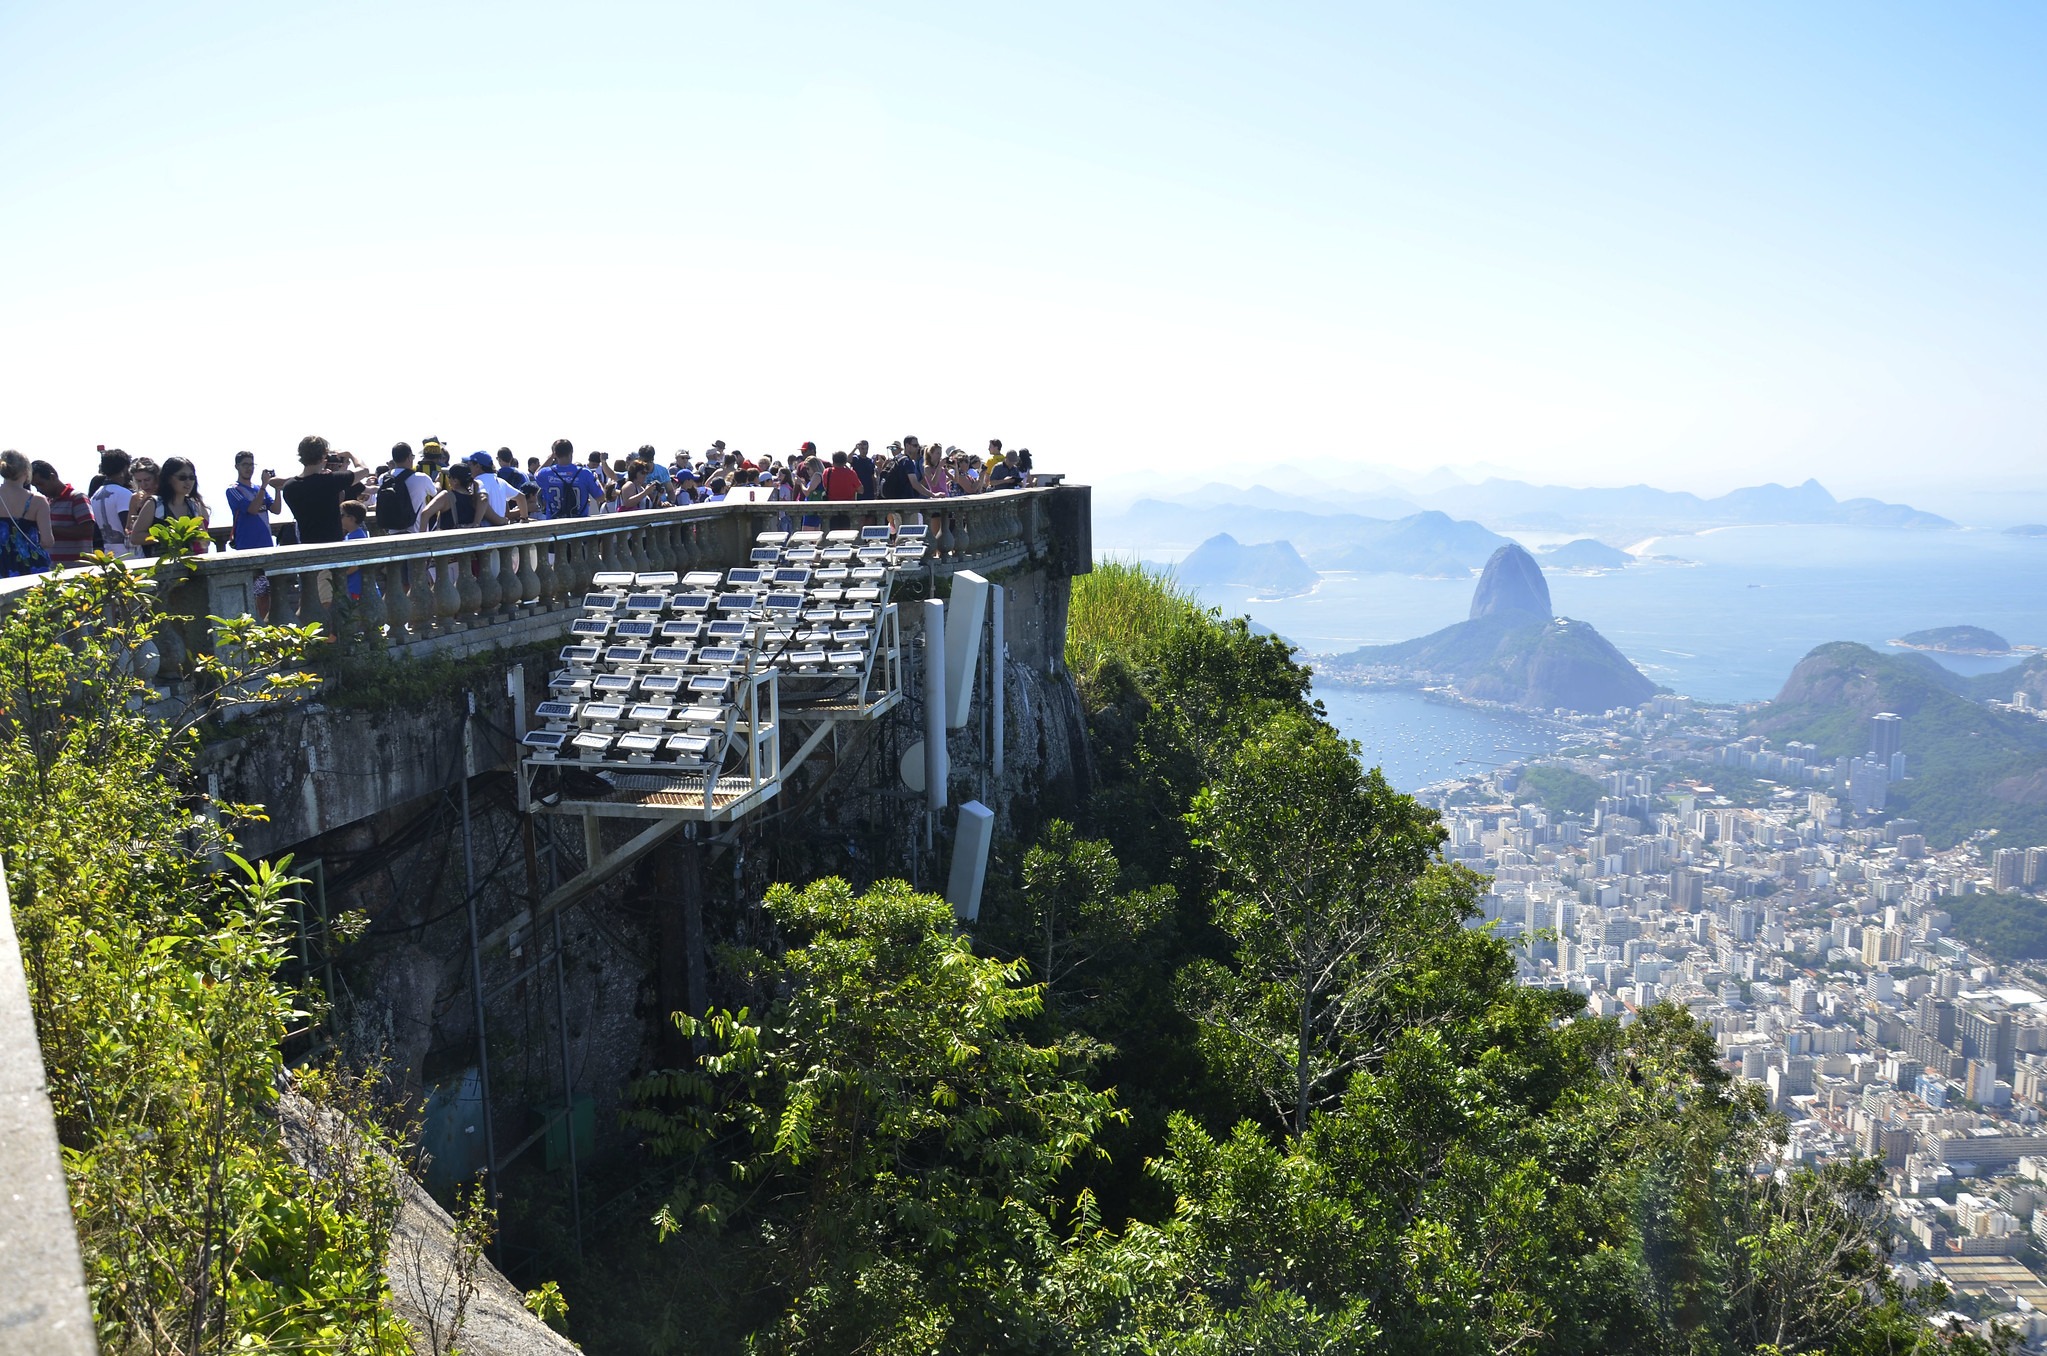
x=1512, y=582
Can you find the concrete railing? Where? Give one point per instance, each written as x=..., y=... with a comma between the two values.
x=43, y=1308
x=478, y=588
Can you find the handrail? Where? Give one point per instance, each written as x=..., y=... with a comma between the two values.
x=475, y=588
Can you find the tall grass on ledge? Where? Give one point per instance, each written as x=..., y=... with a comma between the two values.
x=1125, y=609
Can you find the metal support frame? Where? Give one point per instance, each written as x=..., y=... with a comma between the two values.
x=490, y=1149
x=481, y=997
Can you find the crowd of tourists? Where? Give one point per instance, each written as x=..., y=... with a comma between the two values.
x=46, y=521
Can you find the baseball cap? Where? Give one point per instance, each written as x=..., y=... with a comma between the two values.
x=482, y=460
x=807, y=448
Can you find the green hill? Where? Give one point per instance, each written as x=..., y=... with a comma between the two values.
x=1585, y=554
x=1971, y=767
x=2008, y=927
x=1559, y=790
x=1523, y=660
x=1957, y=640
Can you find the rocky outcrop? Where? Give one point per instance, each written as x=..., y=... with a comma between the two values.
x=1511, y=650
x=1562, y=663
x=450, y=1300
x=1512, y=582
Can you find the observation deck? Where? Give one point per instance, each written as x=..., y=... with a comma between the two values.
x=515, y=589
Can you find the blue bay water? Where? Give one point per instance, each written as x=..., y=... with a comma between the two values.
x=1721, y=615
x=1420, y=740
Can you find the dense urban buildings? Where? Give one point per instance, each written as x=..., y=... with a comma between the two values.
x=1808, y=930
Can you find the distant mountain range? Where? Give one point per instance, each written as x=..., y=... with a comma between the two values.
x=1422, y=543
x=1515, y=503
x=1450, y=526
x=1512, y=650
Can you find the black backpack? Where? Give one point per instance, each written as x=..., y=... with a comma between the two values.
x=395, y=510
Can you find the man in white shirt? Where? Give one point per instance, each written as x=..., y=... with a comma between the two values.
x=110, y=503
x=504, y=500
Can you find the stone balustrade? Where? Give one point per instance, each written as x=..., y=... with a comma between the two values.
x=479, y=588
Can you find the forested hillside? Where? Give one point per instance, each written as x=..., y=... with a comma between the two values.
x=1222, y=1069
x=1971, y=767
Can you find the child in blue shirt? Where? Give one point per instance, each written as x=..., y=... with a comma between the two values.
x=354, y=514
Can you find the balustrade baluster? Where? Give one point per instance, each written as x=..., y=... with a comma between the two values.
x=532, y=555
x=568, y=570
x=284, y=606
x=586, y=567
x=510, y=593
x=397, y=607
x=369, y=611
x=447, y=595
x=547, y=577
x=421, y=593
x=410, y=612
x=490, y=594
x=469, y=590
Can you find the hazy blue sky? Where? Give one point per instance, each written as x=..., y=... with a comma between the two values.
x=1590, y=244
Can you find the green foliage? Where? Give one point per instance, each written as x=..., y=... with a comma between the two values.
x=153, y=979
x=1318, y=863
x=1496, y=1183
x=1081, y=934
x=881, y=1141
x=547, y=1303
x=2009, y=927
x=1169, y=687
x=1559, y=790
x=1125, y=610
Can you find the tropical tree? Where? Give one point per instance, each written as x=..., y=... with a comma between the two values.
x=1078, y=929
x=154, y=979
x=1318, y=867
x=892, y=1146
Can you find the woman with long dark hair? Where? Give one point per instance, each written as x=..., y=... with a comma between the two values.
x=175, y=495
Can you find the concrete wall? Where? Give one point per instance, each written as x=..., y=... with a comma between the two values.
x=43, y=1308
x=320, y=766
